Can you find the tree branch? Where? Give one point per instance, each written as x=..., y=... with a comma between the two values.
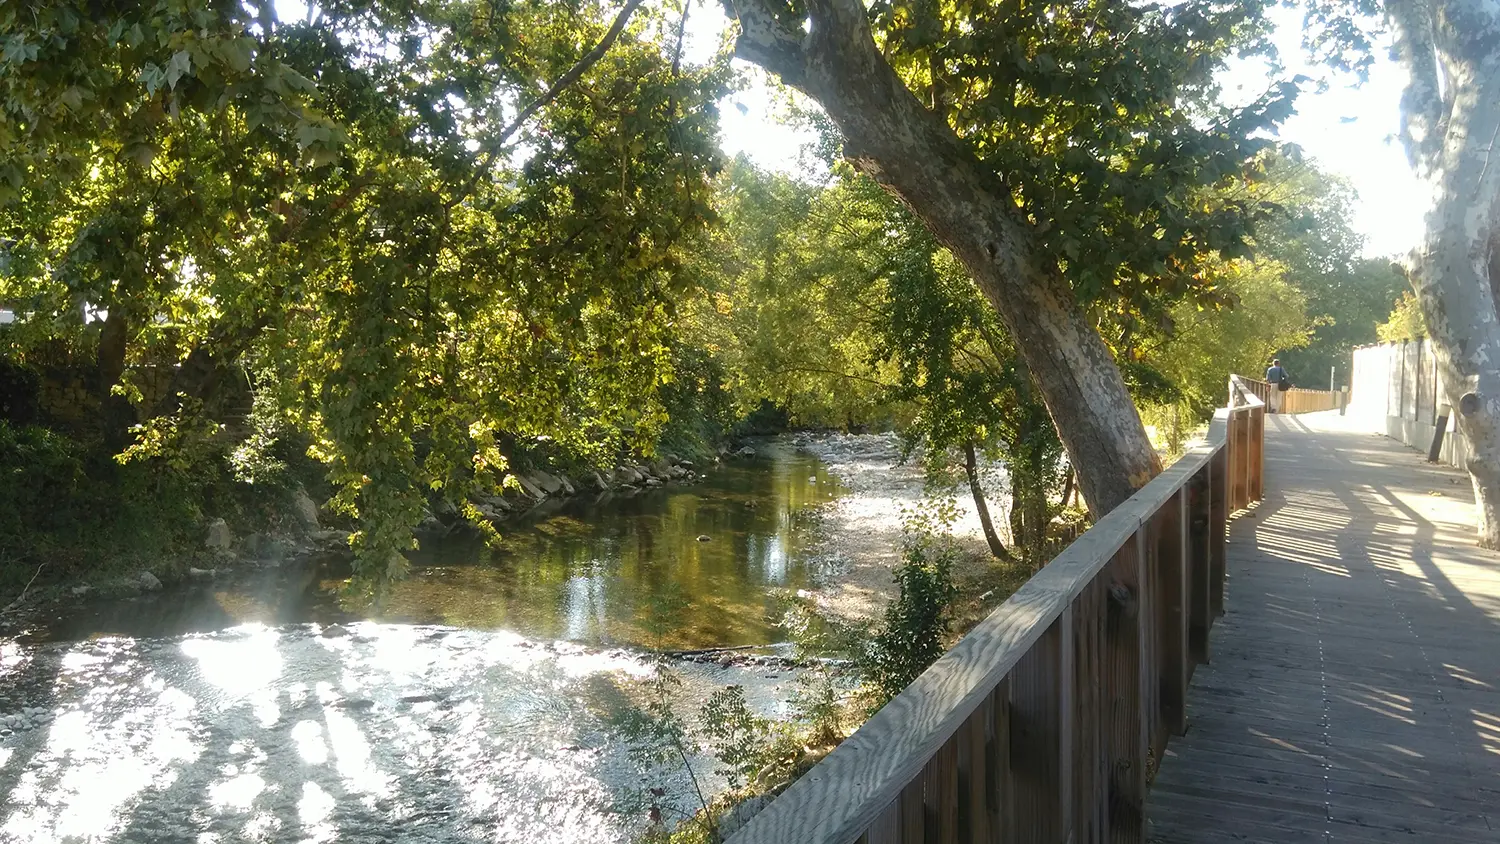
x=687, y=6
x=812, y=370
x=765, y=40
x=1424, y=111
x=494, y=147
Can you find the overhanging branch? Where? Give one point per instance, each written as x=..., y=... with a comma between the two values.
x=496, y=145
x=1424, y=104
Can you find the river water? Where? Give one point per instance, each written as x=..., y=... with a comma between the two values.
x=480, y=704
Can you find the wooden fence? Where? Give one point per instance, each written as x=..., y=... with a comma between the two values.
x=1298, y=400
x=1046, y=722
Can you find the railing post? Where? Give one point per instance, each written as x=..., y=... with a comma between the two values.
x=1171, y=575
x=984, y=768
x=1200, y=609
x=1040, y=707
x=1091, y=776
x=1242, y=451
x=1257, y=452
x=1218, y=534
x=1127, y=676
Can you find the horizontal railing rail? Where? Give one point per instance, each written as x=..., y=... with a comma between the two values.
x=1045, y=721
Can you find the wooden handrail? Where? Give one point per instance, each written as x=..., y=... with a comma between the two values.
x=1296, y=400
x=1042, y=723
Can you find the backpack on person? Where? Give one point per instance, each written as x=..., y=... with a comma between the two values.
x=1284, y=382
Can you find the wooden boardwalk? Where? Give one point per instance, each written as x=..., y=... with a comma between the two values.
x=1353, y=689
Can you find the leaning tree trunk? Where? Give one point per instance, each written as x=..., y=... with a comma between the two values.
x=971, y=469
x=1451, y=115
x=891, y=137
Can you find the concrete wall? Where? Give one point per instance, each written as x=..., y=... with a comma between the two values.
x=1395, y=390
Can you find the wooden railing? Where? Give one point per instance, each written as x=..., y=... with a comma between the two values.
x=1298, y=400
x=1046, y=722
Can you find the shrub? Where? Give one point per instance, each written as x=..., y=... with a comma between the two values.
x=917, y=622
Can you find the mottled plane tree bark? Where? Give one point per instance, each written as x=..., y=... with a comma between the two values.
x=1451, y=122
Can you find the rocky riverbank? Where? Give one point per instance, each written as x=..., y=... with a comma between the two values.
x=537, y=490
x=305, y=533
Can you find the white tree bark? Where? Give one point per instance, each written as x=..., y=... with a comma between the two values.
x=1451, y=123
x=890, y=136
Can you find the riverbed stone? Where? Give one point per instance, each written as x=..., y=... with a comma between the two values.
x=306, y=510
x=548, y=483
x=568, y=487
x=147, y=581
x=332, y=536
x=219, y=536
x=530, y=488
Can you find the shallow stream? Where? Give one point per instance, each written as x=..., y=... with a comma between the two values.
x=479, y=704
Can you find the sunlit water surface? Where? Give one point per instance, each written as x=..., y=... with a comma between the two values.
x=479, y=705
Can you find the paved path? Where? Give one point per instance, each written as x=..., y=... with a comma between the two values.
x=1353, y=692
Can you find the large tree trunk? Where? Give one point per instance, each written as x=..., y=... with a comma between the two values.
x=208, y=364
x=911, y=151
x=971, y=469
x=1451, y=114
x=115, y=412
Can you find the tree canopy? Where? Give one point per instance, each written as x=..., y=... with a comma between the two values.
x=366, y=211
x=429, y=235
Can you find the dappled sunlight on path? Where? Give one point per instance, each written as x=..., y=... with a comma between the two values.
x=1352, y=690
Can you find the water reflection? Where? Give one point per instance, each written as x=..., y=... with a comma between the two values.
x=612, y=570
x=595, y=572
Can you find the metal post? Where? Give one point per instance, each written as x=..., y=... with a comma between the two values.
x=1435, y=452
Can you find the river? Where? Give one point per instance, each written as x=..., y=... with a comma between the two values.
x=479, y=704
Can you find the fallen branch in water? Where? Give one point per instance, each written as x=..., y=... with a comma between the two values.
x=708, y=651
x=21, y=597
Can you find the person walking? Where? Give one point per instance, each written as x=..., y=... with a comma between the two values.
x=1280, y=382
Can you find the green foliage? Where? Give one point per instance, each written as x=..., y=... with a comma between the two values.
x=69, y=510
x=739, y=739
x=1207, y=344
x=340, y=203
x=1099, y=118
x=917, y=621
x=837, y=304
x=787, y=282
x=1312, y=237
x=1405, y=322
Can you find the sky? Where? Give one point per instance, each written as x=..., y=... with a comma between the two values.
x=1348, y=131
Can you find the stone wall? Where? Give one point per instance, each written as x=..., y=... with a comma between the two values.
x=69, y=397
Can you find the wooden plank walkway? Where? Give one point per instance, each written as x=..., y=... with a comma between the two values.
x=1353, y=692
